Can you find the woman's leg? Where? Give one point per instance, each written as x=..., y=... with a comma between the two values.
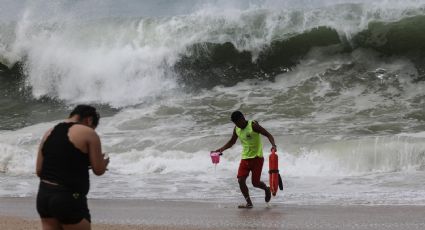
x=50, y=224
x=83, y=225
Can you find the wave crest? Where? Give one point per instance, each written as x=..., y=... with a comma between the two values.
x=126, y=61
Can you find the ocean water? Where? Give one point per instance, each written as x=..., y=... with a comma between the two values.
x=339, y=84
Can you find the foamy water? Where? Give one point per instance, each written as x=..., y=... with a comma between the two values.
x=168, y=159
x=348, y=123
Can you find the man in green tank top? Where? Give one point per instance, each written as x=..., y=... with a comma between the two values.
x=252, y=154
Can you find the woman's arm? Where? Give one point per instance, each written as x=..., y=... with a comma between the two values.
x=39, y=161
x=98, y=163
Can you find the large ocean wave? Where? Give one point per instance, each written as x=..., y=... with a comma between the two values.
x=340, y=85
x=125, y=61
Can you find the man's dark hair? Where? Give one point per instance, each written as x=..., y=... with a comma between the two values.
x=85, y=111
x=237, y=115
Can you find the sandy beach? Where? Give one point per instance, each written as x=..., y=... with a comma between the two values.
x=19, y=213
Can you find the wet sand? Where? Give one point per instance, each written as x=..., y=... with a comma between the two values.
x=20, y=213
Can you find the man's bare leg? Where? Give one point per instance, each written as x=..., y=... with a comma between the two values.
x=245, y=193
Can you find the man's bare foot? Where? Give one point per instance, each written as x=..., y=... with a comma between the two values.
x=247, y=206
x=268, y=194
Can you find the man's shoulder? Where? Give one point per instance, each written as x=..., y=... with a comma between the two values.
x=255, y=126
x=254, y=123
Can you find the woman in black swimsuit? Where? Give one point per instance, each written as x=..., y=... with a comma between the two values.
x=65, y=154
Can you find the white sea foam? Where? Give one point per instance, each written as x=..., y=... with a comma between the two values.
x=126, y=61
x=315, y=170
x=339, y=120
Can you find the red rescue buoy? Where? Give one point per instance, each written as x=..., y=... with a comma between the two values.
x=275, y=180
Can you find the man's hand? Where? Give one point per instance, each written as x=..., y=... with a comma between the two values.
x=218, y=151
x=273, y=148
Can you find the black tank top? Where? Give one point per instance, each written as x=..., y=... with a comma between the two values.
x=63, y=163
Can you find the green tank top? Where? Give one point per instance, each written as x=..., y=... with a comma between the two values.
x=251, y=142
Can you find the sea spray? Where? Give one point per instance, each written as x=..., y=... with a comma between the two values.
x=346, y=113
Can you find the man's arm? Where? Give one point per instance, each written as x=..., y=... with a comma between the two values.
x=97, y=162
x=259, y=129
x=230, y=143
x=39, y=161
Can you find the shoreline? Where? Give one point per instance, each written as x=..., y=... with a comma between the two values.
x=20, y=213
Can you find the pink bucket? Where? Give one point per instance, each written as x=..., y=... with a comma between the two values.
x=215, y=157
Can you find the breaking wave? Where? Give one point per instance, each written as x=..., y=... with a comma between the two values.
x=125, y=61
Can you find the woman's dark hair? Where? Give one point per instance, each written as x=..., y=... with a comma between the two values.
x=237, y=115
x=85, y=111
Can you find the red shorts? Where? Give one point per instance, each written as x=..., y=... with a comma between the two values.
x=254, y=165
